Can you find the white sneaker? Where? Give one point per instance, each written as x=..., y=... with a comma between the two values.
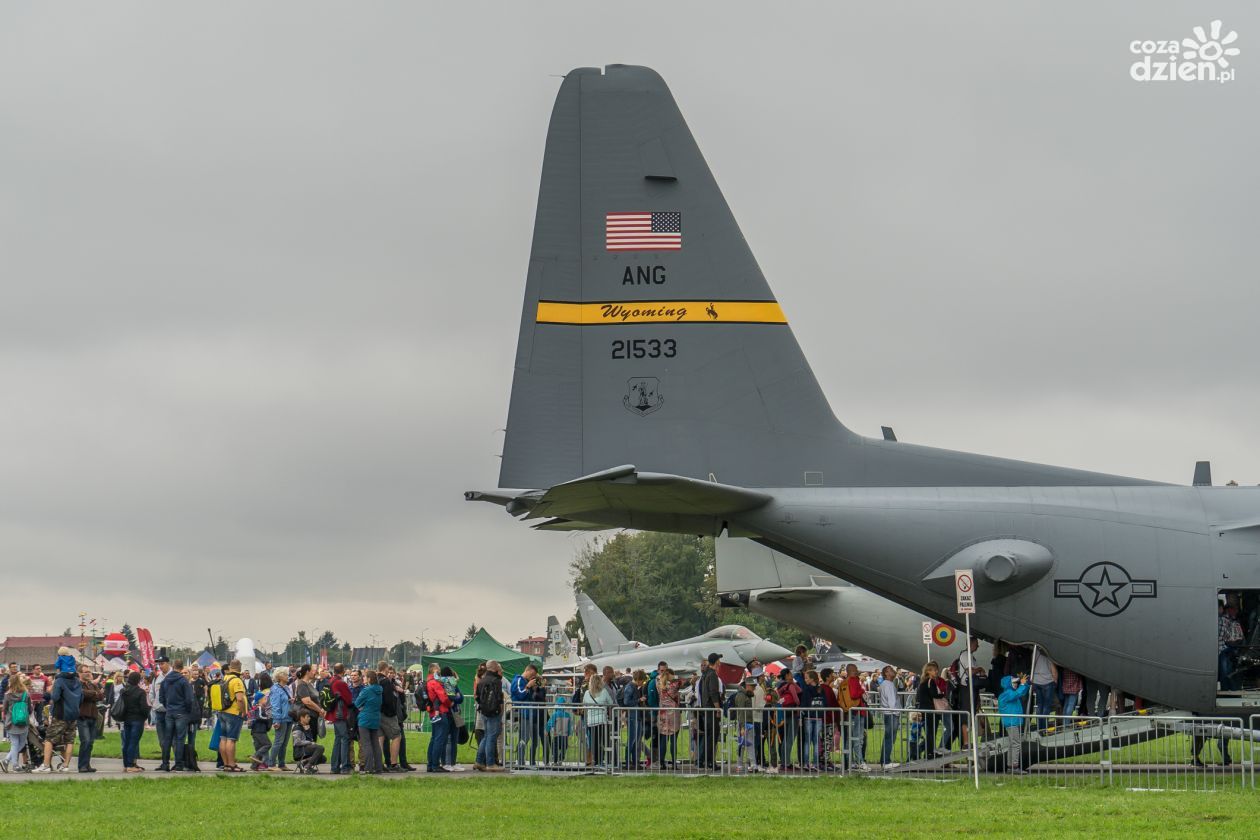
x=892, y=765
x=42, y=769
x=65, y=768
x=864, y=767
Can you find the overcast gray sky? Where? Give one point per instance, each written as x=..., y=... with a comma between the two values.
x=261, y=268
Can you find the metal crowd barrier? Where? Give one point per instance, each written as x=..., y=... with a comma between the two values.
x=1065, y=750
x=1134, y=751
x=1179, y=752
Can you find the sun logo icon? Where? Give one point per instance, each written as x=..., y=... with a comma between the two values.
x=1214, y=48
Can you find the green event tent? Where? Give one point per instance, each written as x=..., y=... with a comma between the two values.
x=480, y=648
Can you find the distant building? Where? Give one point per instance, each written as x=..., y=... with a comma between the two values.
x=29, y=651
x=533, y=646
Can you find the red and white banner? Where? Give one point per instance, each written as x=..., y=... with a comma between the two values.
x=323, y=657
x=144, y=641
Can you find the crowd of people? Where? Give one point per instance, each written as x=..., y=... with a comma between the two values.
x=787, y=722
x=287, y=713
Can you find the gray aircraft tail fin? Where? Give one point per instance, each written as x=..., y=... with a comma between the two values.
x=602, y=636
x=649, y=335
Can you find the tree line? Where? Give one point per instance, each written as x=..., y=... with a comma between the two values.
x=662, y=587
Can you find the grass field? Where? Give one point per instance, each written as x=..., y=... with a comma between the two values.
x=606, y=807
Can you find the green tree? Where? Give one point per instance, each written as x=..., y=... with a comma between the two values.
x=662, y=587
x=296, y=650
x=131, y=639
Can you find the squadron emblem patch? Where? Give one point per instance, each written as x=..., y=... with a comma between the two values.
x=643, y=395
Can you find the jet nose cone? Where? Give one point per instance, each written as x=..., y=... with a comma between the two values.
x=768, y=651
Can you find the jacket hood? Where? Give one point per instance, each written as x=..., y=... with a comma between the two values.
x=1006, y=683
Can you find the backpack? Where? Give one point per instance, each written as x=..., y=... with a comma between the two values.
x=20, y=714
x=218, y=696
x=327, y=700
x=489, y=696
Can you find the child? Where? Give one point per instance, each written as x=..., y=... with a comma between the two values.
x=260, y=722
x=559, y=728
x=307, y=751
x=915, y=739
x=1011, y=705
x=66, y=662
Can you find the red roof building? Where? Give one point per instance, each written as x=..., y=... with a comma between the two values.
x=29, y=651
x=533, y=646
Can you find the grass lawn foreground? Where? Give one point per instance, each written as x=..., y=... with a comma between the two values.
x=606, y=807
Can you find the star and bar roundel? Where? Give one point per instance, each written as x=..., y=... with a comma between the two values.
x=1105, y=589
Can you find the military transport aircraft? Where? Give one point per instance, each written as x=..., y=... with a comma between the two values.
x=658, y=386
x=771, y=584
x=738, y=646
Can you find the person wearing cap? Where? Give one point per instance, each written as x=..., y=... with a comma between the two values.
x=158, y=709
x=710, y=691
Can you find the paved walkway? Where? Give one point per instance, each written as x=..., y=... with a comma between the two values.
x=112, y=768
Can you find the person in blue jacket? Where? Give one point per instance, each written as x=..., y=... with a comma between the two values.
x=1011, y=705
x=368, y=702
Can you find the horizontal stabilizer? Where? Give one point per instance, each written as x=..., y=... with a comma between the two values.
x=745, y=565
x=1244, y=525
x=803, y=594
x=627, y=490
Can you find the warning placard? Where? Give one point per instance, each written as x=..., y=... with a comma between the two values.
x=964, y=592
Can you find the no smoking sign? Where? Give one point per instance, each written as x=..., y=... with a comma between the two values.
x=964, y=592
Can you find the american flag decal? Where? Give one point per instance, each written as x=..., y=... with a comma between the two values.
x=643, y=231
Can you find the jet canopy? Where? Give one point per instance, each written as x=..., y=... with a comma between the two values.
x=731, y=632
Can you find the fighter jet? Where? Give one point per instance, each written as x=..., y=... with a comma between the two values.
x=771, y=584
x=738, y=646
x=658, y=386
x=562, y=652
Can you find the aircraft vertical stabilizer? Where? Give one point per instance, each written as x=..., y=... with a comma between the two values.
x=601, y=634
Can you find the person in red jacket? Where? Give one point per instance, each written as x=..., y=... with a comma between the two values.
x=790, y=702
x=856, y=704
x=439, y=719
x=340, y=717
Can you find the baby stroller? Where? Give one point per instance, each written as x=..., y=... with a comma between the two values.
x=35, y=747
